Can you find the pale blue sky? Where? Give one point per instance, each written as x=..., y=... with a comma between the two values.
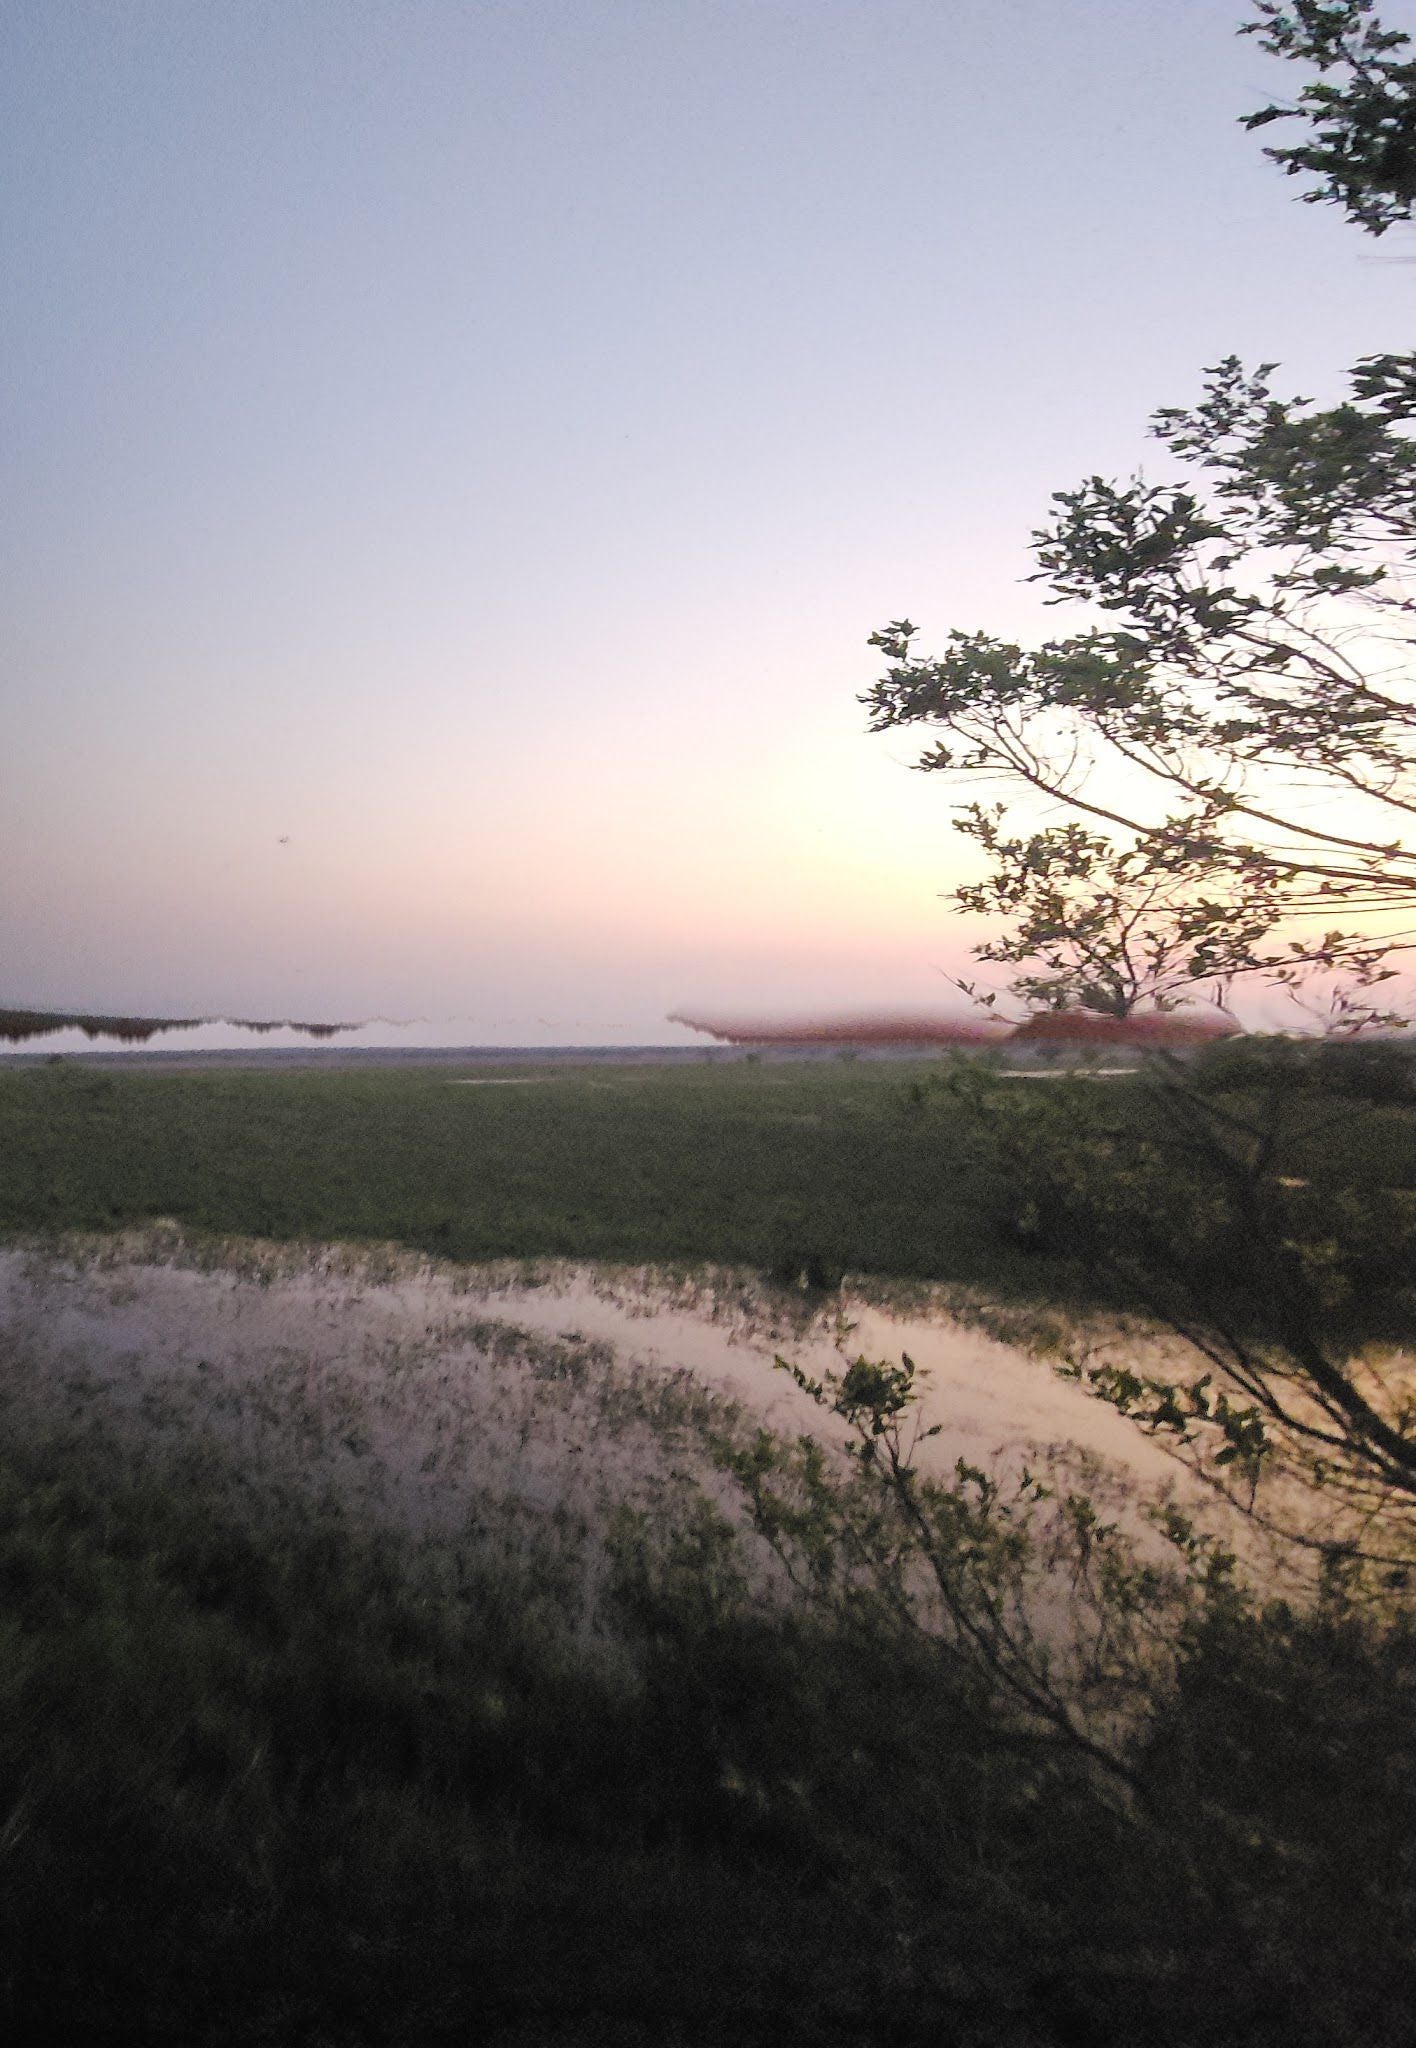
x=474, y=441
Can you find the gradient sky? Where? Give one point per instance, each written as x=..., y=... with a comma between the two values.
x=473, y=441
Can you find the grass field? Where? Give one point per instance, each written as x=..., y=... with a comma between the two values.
x=744, y=1165
x=756, y=1166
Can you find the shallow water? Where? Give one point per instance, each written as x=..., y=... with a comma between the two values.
x=990, y=1397
x=160, y=1312
x=521, y=1407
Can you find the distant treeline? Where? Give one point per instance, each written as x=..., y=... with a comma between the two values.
x=16, y=1026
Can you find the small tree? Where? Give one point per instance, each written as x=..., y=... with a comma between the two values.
x=1242, y=726
x=1228, y=734
x=1236, y=711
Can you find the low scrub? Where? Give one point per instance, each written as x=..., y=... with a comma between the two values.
x=269, y=1774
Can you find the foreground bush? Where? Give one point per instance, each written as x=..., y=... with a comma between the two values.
x=268, y=1777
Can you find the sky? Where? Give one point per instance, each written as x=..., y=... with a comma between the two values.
x=457, y=451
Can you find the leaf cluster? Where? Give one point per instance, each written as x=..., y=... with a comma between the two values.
x=1358, y=115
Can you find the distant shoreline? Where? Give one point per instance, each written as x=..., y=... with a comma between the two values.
x=179, y=1059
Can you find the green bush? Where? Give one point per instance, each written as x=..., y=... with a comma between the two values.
x=1376, y=1070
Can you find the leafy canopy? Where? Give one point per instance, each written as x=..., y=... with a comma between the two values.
x=1227, y=733
x=1237, y=710
x=1359, y=114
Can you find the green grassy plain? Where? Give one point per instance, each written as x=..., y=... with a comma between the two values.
x=745, y=1165
x=742, y=1165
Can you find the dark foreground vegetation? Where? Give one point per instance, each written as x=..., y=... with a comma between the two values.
x=270, y=1773
x=270, y=1777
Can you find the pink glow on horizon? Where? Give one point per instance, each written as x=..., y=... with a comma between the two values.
x=1048, y=1027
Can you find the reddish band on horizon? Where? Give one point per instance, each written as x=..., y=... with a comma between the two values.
x=1045, y=1027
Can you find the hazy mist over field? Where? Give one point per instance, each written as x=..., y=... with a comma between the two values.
x=457, y=454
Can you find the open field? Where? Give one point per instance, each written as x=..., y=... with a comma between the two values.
x=761, y=1167
x=737, y=1164
x=393, y=1652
